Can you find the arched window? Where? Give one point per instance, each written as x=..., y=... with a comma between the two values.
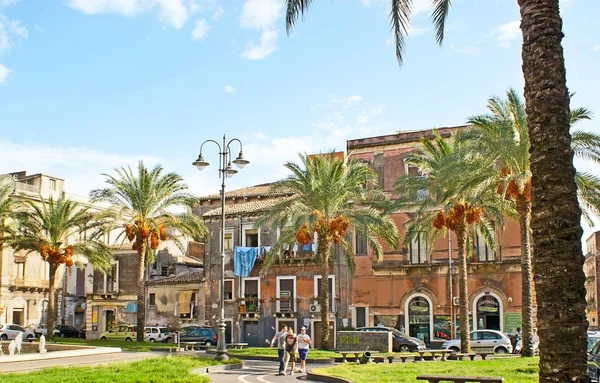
x=419, y=318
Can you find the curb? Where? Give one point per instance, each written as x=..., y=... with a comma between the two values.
x=213, y=369
x=327, y=378
x=274, y=359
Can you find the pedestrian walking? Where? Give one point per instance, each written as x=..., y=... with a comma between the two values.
x=291, y=346
x=280, y=337
x=304, y=343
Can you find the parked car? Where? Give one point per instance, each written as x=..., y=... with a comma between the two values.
x=483, y=340
x=200, y=334
x=593, y=337
x=120, y=332
x=66, y=331
x=401, y=342
x=38, y=329
x=158, y=334
x=593, y=362
x=10, y=331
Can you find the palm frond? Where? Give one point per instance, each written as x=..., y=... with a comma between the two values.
x=295, y=8
x=439, y=16
x=400, y=17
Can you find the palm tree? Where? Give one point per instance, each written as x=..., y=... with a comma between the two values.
x=503, y=134
x=142, y=206
x=331, y=197
x=7, y=208
x=556, y=228
x=440, y=201
x=53, y=229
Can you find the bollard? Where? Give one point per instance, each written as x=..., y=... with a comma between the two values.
x=366, y=358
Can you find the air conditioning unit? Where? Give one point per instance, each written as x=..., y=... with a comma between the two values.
x=456, y=301
x=316, y=308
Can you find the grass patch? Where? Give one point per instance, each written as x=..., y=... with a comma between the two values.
x=124, y=345
x=155, y=370
x=514, y=370
x=272, y=352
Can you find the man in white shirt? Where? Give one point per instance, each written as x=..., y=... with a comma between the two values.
x=280, y=336
x=303, y=344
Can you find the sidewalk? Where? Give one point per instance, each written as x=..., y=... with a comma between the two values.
x=90, y=360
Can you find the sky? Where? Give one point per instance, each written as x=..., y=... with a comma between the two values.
x=87, y=86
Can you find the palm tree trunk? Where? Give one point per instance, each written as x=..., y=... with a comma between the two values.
x=555, y=219
x=141, y=291
x=462, y=290
x=324, y=249
x=51, y=296
x=524, y=210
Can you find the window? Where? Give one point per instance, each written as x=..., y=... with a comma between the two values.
x=152, y=299
x=331, y=290
x=52, y=184
x=228, y=241
x=251, y=238
x=361, y=316
x=111, y=279
x=80, y=282
x=184, y=304
x=228, y=290
x=286, y=292
x=250, y=288
x=419, y=250
x=164, y=271
x=361, y=243
x=484, y=251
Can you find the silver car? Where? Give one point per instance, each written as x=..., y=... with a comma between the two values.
x=10, y=331
x=483, y=341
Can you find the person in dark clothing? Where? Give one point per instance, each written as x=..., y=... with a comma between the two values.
x=291, y=346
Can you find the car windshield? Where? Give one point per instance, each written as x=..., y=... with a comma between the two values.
x=163, y=330
x=591, y=342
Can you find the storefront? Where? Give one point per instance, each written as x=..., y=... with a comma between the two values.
x=488, y=312
x=419, y=318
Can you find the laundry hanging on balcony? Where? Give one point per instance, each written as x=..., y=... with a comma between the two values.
x=243, y=261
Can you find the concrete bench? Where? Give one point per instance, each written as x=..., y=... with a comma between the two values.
x=237, y=345
x=357, y=354
x=434, y=354
x=461, y=379
x=403, y=358
x=484, y=355
x=190, y=346
x=470, y=355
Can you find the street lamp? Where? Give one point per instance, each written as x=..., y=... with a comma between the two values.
x=226, y=170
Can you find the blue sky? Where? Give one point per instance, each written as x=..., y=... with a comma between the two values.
x=88, y=85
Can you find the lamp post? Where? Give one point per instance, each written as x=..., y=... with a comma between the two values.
x=226, y=170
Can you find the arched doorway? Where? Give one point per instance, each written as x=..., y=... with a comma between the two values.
x=488, y=310
x=419, y=318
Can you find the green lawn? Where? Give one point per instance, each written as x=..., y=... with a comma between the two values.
x=266, y=351
x=154, y=370
x=514, y=370
x=124, y=345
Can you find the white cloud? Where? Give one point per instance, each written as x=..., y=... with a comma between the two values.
x=507, y=32
x=6, y=3
x=80, y=166
x=345, y=102
x=465, y=49
x=4, y=72
x=260, y=14
x=596, y=47
x=200, y=30
x=367, y=114
x=218, y=13
x=267, y=45
x=230, y=89
x=170, y=12
x=9, y=30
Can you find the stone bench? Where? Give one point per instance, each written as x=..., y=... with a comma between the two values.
x=434, y=354
x=357, y=354
x=237, y=345
x=460, y=356
x=460, y=379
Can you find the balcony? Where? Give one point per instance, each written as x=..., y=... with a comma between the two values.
x=21, y=187
x=27, y=284
x=249, y=308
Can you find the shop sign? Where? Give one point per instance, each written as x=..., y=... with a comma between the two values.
x=487, y=305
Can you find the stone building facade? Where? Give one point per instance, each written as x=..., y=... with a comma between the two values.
x=262, y=301
x=592, y=286
x=416, y=287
